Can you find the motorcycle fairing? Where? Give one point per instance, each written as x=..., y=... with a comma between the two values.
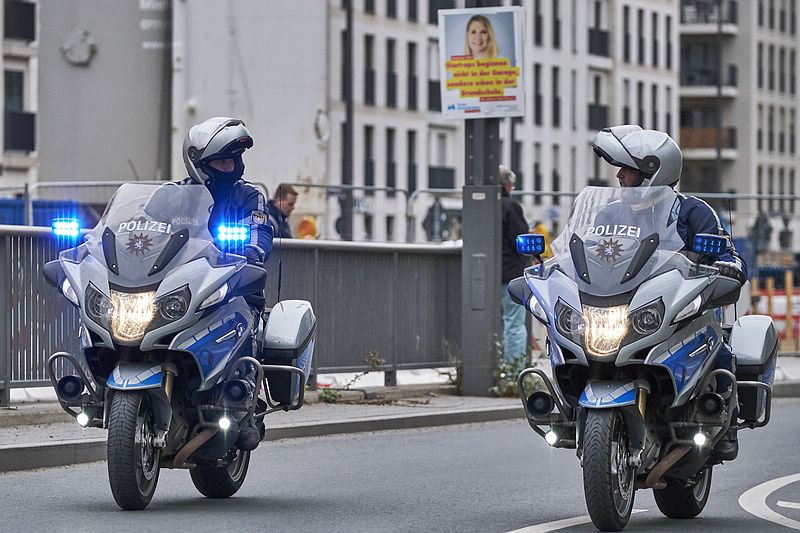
x=605, y=394
x=135, y=376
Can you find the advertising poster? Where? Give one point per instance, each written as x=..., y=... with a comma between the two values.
x=480, y=59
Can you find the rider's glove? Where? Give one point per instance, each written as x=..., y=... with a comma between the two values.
x=253, y=254
x=730, y=270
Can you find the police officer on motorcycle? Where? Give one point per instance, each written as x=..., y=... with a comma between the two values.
x=212, y=153
x=649, y=157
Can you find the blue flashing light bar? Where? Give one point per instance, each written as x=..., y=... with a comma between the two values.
x=530, y=244
x=708, y=244
x=66, y=227
x=233, y=233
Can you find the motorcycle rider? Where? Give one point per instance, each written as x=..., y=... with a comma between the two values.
x=649, y=157
x=212, y=153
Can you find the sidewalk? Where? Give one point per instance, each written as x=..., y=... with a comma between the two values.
x=41, y=434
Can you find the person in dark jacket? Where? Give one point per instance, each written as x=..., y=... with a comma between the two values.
x=280, y=207
x=212, y=153
x=514, y=332
x=651, y=158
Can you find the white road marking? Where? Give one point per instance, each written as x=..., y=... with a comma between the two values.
x=562, y=524
x=754, y=501
x=789, y=505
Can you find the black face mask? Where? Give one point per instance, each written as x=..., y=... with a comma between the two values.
x=222, y=181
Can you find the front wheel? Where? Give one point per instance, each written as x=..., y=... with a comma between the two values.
x=680, y=499
x=133, y=458
x=608, y=478
x=223, y=481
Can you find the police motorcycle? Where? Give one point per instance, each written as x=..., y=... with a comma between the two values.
x=173, y=357
x=633, y=333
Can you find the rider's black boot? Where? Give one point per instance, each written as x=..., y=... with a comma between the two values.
x=727, y=449
x=250, y=434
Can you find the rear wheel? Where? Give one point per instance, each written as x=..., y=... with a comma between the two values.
x=684, y=500
x=608, y=478
x=133, y=458
x=222, y=481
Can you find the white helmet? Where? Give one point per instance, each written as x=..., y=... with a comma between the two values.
x=652, y=153
x=216, y=138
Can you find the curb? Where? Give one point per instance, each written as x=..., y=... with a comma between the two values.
x=786, y=389
x=61, y=453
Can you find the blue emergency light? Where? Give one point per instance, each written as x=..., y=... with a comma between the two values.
x=233, y=233
x=530, y=244
x=66, y=227
x=709, y=244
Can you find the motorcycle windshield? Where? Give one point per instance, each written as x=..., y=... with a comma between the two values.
x=616, y=238
x=147, y=230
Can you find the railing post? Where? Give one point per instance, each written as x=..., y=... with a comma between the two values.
x=5, y=324
x=390, y=376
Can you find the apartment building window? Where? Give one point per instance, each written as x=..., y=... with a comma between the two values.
x=369, y=6
x=668, y=40
x=14, y=90
x=626, y=35
x=640, y=38
x=391, y=9
x=791, y=190
x=760, y=185
x=781, y=70
x=792, y=59
x=782, y=17
x=556, y=108
x=434, y=93
x=668, y=114
x=368, y=227
x=538, y=28
x=771, y=14
x=760, y=128
x=556, y=178
x=412, y=10
x=537, y=172
x=433, y=9
x=391, y=74
x=556, y=26
x=791, y=131
x=343, y=77
x=781, y=130
x=654, y=33
x=411, y=161
x=760, y=65
x=369, y=161
x=626, y=103
x=654, y=106
x=537, y=94
x=640, y=102
x=391, y=164
x=369, y=69
x=770, y=129
x=771, y=68
x=19, y=126
x=390, y=228
x=411, y=68
x=781, y=190
x=771, y=189
x=573, y=98
x=760, y=13
x=792, y=21
x=516, y=153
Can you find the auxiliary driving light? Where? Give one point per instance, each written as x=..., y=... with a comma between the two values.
x=700, y=439
x=551, y=438
x=83, y=419
x=224, y=423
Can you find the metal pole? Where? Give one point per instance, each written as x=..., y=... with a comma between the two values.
x=718, y=164
x=346, y=196
x=5, y=324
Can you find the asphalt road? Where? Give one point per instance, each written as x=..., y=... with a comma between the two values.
x=488, y=477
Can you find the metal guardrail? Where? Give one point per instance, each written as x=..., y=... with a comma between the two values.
x=401, y=301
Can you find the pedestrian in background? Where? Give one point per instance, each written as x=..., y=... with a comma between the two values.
x=280, y=207
x=514, y=333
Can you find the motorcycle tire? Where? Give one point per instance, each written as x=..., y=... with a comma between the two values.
x=133, y=460
x=608, y=478
x=222, y=481
x=677, y=500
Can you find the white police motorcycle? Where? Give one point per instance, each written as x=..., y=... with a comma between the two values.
x=633, y=332
x=173, y=358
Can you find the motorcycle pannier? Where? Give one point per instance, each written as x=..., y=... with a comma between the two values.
x=754, y=341
x=289, y=340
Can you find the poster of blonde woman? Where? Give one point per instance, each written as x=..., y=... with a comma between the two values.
x=480, y=57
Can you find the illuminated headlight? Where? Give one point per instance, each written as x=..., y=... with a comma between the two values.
x=605, y=328
x=132, y=313
x=551, y=437
x=700, y=439
x=83, y=419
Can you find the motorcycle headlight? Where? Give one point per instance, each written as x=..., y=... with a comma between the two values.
x=133, y=312
x=605, y=328
x=98, y=306
x=645, y=321
x=569, y=322
x=174, y=305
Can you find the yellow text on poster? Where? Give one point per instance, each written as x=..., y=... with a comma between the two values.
x=481, y=78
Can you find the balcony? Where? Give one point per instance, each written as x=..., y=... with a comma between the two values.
x=598, y=42
x=20, y=20
x=701, y=82
x=702, y=17
x=19, y=130
x=441, y=177
x=701, y=143
x=598, y=117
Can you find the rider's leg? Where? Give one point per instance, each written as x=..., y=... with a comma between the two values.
x=252, y=431
x=727, y=448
